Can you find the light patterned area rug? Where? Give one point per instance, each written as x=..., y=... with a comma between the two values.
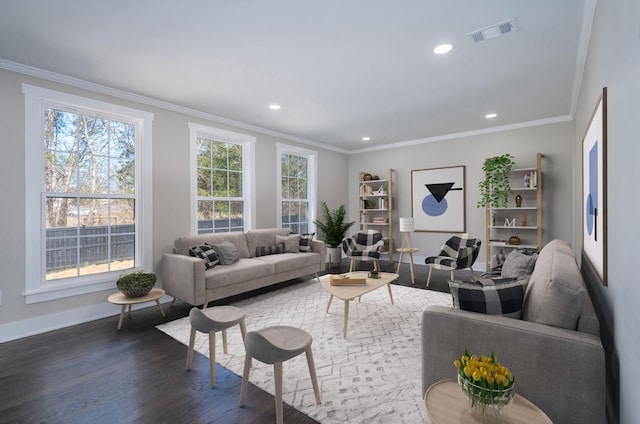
x=373, y=376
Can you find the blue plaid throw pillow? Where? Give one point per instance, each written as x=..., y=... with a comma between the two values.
x=305, y=242
x=207, y=253
x=497, y=296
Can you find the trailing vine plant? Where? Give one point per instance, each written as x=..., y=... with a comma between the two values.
x=495, y=188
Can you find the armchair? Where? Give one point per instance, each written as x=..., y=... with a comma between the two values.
x=458, y=252
x=365, y=245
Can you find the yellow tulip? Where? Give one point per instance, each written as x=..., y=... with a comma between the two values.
x=457, y=364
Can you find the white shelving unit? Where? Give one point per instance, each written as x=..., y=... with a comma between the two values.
x=524, y=221
x=376, y=208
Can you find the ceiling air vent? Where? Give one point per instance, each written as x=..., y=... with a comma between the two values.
x=510, y=25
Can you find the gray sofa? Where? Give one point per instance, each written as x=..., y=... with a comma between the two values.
x=186, y=278
x=560, y=369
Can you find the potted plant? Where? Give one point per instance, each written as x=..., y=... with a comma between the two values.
x=495, y=188
x=136, y=284
x=334, y=228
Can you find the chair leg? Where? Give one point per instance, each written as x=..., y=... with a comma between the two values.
x=317, y=278
x=429, y=276
x=172, y=302
x=314, y=377
x=452, y=276
x=353, y=261
x=243, y=331
x=245, y=379
x=473, y=275
x=212, y=359
x=277, y=371
x=192, y=340
x=224, y=341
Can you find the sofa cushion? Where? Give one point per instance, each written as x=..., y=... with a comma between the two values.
x=306, y=242
x=289, y=261
x=291, y=242
x=182, y=244
x=498, y=296
x=556, y=291
x=518, y=263
x=264, y=237
x=269, y=250
x=206, y=253
x=245, y=269
x=227, y=252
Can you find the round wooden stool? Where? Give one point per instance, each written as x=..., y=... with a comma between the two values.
x=210, y=321
x=274, y=345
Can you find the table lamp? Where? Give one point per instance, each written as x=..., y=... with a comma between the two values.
x=407, y=226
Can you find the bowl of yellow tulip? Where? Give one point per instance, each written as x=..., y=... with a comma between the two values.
x=487, y=384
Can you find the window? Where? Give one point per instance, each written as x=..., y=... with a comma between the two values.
x=222, y=180
x=87, y=163
x=297, y=188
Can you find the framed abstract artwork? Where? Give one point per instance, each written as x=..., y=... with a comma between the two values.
x=438, y=200
x=594, y=189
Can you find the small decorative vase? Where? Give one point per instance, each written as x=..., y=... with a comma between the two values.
x=518, y=201
x=485, y=405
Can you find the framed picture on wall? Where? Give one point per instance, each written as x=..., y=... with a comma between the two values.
x=437, y=199
x=594, y=189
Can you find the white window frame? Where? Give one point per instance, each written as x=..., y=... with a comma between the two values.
x=248, y=143
x=37, y=288
x=312, y=180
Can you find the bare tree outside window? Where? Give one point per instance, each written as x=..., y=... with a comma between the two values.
x=89, y=180
x=295, y=202
x=220, y=180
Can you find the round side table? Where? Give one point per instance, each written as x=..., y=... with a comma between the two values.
x=446, y=404
x=120, y=299
x=410, y=251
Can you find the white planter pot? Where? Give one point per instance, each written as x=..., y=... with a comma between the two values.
x=334, y=255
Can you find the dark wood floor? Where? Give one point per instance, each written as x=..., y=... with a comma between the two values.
x=93, y=373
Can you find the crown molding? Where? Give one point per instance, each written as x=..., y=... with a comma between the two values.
x=150, y=101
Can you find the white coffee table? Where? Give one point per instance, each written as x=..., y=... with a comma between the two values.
x=348, y=293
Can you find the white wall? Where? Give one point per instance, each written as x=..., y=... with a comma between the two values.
x=555, y=141
x=170, y=201
x=613, y=61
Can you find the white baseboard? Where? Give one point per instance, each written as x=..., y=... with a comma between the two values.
x=43, y=323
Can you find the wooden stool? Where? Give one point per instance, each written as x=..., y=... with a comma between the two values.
x=210, y=321
x=274, y=345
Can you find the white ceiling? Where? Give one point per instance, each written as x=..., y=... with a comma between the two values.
x=341, y=69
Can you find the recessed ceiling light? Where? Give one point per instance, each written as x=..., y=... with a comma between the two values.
x=366, y=138
x=443, y=48
x=275, y=107
x=490, y=115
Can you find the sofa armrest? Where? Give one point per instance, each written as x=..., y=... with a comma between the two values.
x=183, y=277
x=318, y=246
x=559, y=370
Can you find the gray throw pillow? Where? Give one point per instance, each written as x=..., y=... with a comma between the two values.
x=519, y=263
x=291, y=242
x=227, y=252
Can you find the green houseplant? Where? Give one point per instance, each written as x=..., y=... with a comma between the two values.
x=136, y=284
x=333, y=225
x=495, y=188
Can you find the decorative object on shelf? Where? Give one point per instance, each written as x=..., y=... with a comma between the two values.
x=333, y=227
x=594, y=192
x=438, y=200
x=367, y=177
x=407, y=226
x=136, y=284
x=495, y=188
x=524, y=219
x=487, y=384
x=509, y=223
x=375, y=178
x=518, y=201
x=380, y=191
x=514, y=240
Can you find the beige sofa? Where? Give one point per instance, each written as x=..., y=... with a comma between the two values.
x=186, y=278
x=554, y=350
